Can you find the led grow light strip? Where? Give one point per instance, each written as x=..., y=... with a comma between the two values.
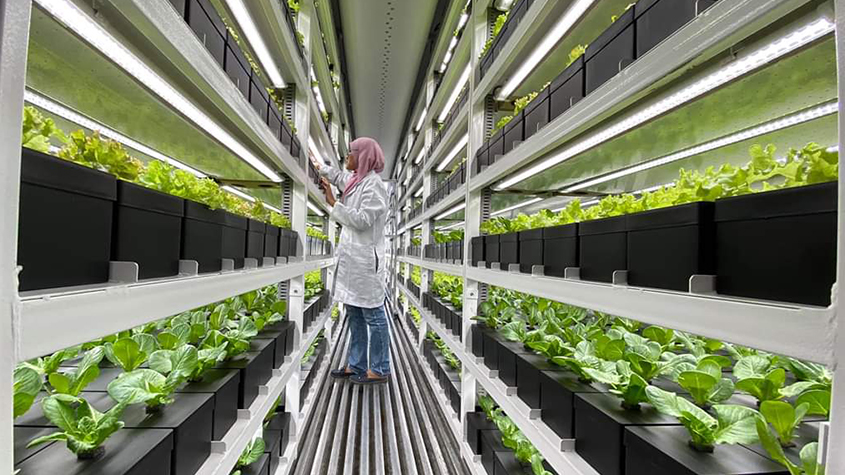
x=773, y=126
x=452, y=210
x=451, y=226
x=90, y=31
x=549, y=42
x=595, y=201
x=516, y=206
x=255, y=40
x=73, y=116
x=734, y=70
x=238, y=192
x=315, y=209
x=462, y=143
x=419, y=157
x=455, y=93
x=419, y=122
x=419, y=192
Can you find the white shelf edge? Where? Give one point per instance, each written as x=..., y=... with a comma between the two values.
x=451, y=269
x=710, y=33
x=789, y=329
x=244, y=431
x=544, y=439
x=51, y=322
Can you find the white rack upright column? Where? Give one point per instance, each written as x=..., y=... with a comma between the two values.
x=296, y=308
x=14, y=40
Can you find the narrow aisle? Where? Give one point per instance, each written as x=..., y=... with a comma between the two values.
x=396, y=428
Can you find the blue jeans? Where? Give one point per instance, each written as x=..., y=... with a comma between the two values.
x=360, y=319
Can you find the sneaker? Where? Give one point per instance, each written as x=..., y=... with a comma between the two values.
x=364, y=379
x=341, y=373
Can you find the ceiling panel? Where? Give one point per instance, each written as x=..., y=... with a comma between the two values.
x=384, y=42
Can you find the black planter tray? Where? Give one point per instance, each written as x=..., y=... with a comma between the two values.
x=476, y=422
x=491, y=250
x=255, y=368
x=804, y=434
x=490, y=341
x=255, y=239
x=507, y=357
x=272, y=444
x=202, y=236
x=665, y=450
x=234, y=238
x=281, y=423
x=260, y=467
x=804, y=219
x=477, y=339
x=611, y=52
x=600, y=423
x=148, y=230
x=505, y=463
x=530, y=249
x=279, y=334
x=127, y=452
x=57, y=196
x=491, y=443
x=223, y=384
x=603, y=245
x=508, y=250
x=656, y=20
x=528, y=374
x=21, y=436
x=558, y=390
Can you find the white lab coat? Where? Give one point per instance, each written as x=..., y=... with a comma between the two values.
x=361, y=265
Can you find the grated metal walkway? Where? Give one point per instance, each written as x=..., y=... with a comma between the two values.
x=394, y=428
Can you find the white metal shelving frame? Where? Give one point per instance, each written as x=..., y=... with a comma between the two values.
x=38, y=323
x=806, y=332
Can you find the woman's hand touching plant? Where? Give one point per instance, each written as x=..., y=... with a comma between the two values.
x=327, y=188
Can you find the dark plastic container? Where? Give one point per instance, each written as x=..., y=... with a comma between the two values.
x=666, y=246
x=148, y=230
x=259, y=99
x=536, y=114
x=497, y=146
x=237, y=68
x=271, y=241
x=611, y=52
x=514, y=132
x=58, y=197
x=234, y=238
x=491, y=444
x=223, y=385
x=255, y=367
x=127, y=452
x=600, y=423
x=202, y=236
x=179, y=6
x=508, y=249
x=567, y=89
x=603, y=245
x=560, y=249
x=255, y=239
x=530, y=249
x=491, y=249
x=798, y=225
x=665, y=451
x=657, y=20
x=275, y=122
x=204, y=26
x=477, y=250
x=558, y=390
x=481, y=158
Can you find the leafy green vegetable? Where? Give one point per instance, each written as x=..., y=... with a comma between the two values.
x=252, y=452
x=145, y=386
x=74, y=381
x=82, y=427
x=101, y=154
x=705, y=384
x=126, y=353
x=732, y=424
x=37, y=130
x=497, y=28
x=784, y=418
x=27, y=384
x=809, y=453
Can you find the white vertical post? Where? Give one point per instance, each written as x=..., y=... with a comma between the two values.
x=296, y=307
x=14, y=40
x=835, y=457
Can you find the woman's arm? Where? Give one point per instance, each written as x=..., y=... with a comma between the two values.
x=336, y=177
x=373, y=205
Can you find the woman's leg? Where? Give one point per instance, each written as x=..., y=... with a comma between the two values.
x=357, y=358
x=379, y=340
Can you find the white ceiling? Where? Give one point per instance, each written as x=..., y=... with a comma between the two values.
x=384, y=42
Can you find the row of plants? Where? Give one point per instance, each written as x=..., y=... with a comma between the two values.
x=449, y=246
x=155, y=376
x=514, y=453
x=445, y=301
x=446, y=368
x=456, y=177
x=228, y=50
x=318, y=243
x=628, y=37
x=276, y=435
x=705, y=213
x=753, y=403
x=311, y=358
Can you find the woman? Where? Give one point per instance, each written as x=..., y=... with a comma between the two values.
x=362, y=212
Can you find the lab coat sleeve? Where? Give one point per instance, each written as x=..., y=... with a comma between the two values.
x=336, y=177
x=373, y=205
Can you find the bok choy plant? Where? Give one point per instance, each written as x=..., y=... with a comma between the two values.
x=81, y=427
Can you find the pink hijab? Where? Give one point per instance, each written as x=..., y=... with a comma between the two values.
x=370, y=158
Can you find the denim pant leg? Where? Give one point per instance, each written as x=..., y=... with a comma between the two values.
x=357, y=357
x=379, y=340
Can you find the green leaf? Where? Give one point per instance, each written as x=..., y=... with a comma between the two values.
x=137, y=387
x=161, y=361
x=252, y=452
x=809, y=459
x=773, y=447
x=128, y=354
x=753, y=366
x=817, y=400
x=27, y=385
x=781, y=415
x=698, y=384
x=147, y=343
x=58, y=408
x=60, y=383
x=737, y=424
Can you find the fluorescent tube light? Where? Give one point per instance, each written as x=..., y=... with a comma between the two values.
x=549, y=42
x=315, y=209
x=453, y=153
x=463, y=20
x=419, y=157
x=255, y=40
x=596, y=200
x=452, y=226
x=445, y=63
x=455, y=93
x=420, y=121
x=419, y=192
x=451, y=211
x=91, y=32
x=55, y=108
x=734, y=70
x=238, y=192
x=273, y=208
x=517, y=206
x=769, y=127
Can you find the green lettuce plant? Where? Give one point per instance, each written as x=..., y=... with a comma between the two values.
x=81, y=427
x=784, y=418
x=808, y=455
x=731, y=424
x=252, y=452
x=760, y=377
x=126, y=353
x=102, y=154
x=38, y=130
x=705, y=384
x=145, y=386
x=497, y=28
x=27, y=383
x=74, y=380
